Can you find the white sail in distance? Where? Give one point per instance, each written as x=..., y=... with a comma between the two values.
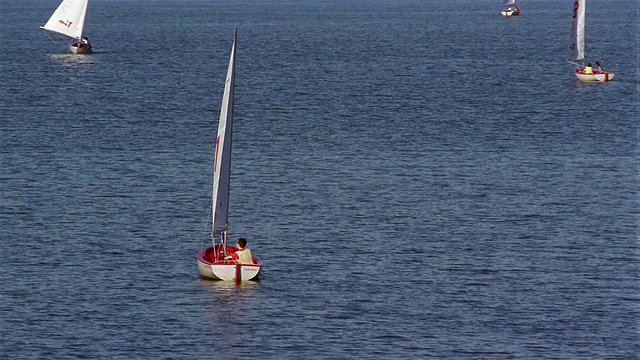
x=68, y=19
x=576, y=36
x=222, y=165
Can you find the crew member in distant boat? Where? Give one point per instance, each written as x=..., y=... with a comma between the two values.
x=588, y=70
x=242, y=254
x=598, y=68
x=85, y=42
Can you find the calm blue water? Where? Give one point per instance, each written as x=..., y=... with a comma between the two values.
x=423, y=179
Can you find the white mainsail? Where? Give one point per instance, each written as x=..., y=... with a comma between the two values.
x=222, y=165
x=68, y=19
x=508, y=2
x=576, y=36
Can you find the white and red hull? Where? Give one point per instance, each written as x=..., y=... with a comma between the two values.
x=602, y=77
x=510, y=12
x=80, y=48
x=212, y=265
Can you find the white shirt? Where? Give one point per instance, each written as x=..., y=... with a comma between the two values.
x=244, y=256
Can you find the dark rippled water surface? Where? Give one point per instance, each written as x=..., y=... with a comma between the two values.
x=423, y=180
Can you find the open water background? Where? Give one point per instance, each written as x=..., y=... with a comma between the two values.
x=423, y=179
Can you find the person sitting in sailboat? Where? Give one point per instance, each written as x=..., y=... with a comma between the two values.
x=598, y=68
x=85, y=42
x=242, y=254
x=588, y=70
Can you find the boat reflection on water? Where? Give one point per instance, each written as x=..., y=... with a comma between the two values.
x=228, y=301
x=218, y=285
x=72, y=60
x=229, y=292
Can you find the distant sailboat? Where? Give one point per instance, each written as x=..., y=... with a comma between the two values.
x=575, y=53
x=68, y=20
x=211, y=259
x=509, y=8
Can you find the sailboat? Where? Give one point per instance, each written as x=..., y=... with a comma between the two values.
x=575, y=53
x=212, y=259
x=68, y=20
x=509, y=8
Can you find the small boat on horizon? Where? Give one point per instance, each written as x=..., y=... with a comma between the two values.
x=68, y=20
x=509, y=8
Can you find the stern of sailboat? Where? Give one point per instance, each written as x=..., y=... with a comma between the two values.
x=78, y=48
x=212, y=265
